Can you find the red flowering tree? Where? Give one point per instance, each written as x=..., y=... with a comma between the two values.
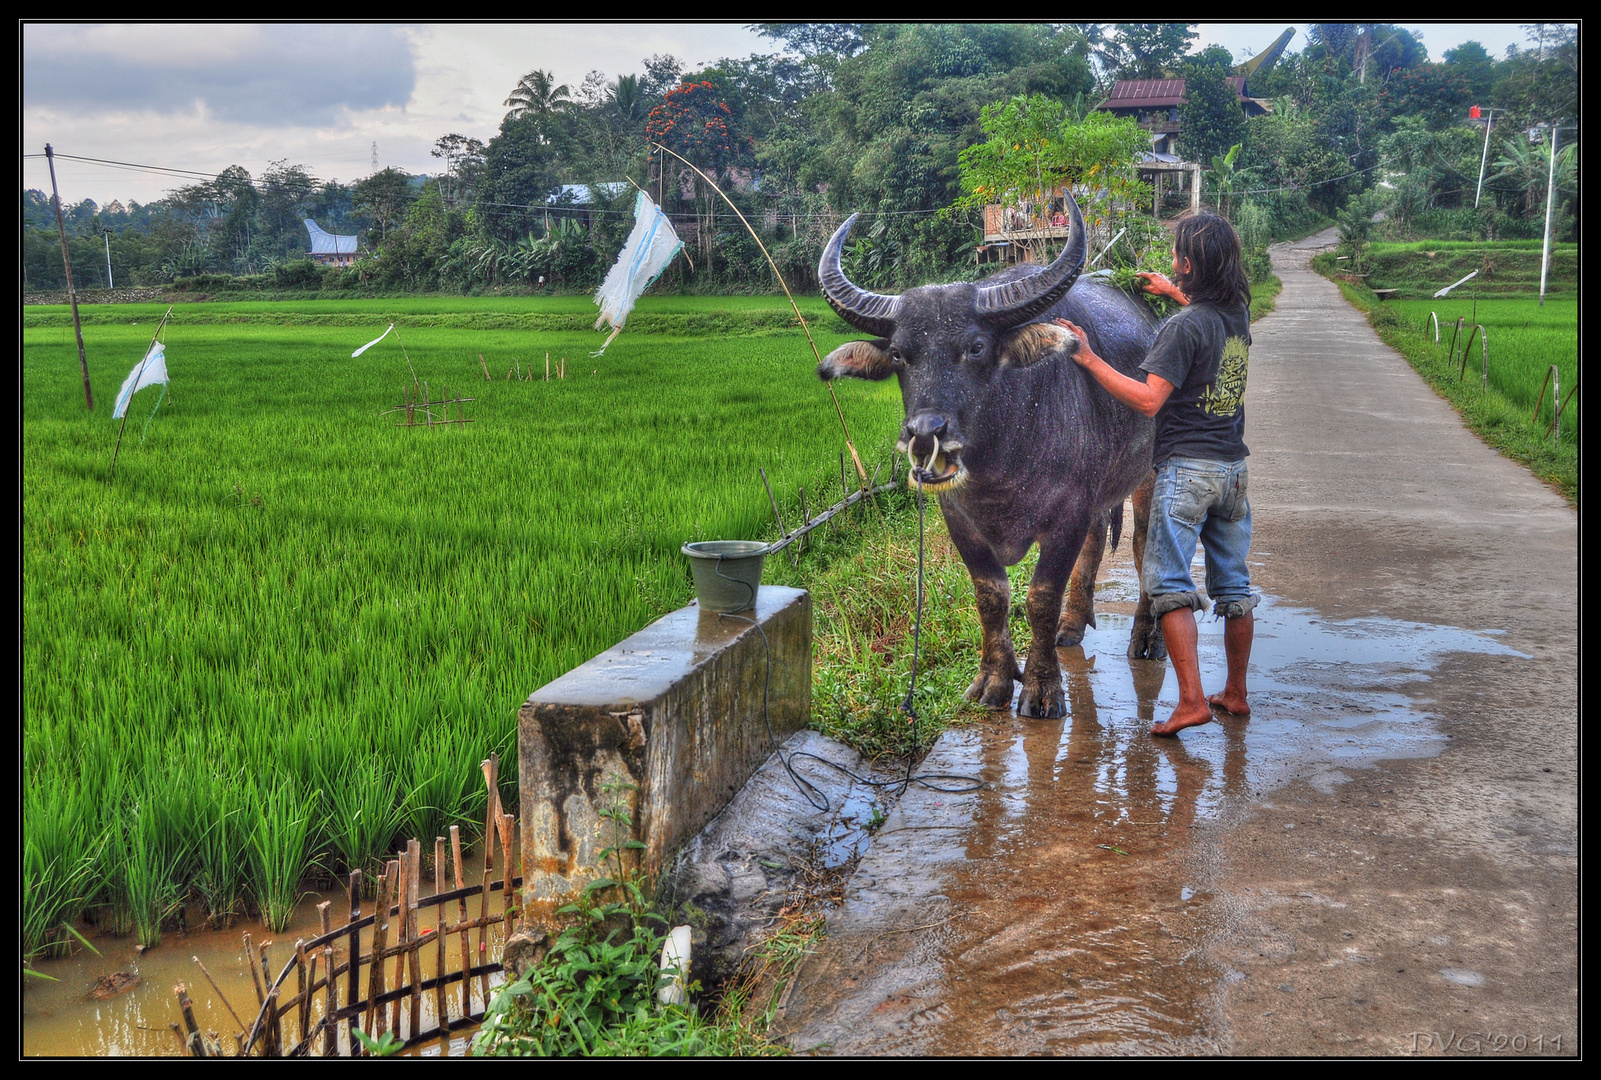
x=693, y=121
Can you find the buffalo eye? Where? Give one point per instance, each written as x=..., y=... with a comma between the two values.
x=897, y=355
x=977, y=349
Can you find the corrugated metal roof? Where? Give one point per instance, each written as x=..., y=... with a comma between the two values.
x=326, y=243
x=1156, y=93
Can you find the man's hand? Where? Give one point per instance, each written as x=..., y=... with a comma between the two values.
x=1160, y=285
x=1083, y=355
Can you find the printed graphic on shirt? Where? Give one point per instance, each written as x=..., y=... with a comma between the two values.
x=1222, y=398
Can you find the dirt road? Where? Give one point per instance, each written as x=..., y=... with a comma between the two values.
x=1382, y=861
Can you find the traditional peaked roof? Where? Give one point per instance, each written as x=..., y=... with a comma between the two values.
x=325, y=243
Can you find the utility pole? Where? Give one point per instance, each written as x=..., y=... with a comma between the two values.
x=1550, y=201
x=72, y=294
x=1484, y=157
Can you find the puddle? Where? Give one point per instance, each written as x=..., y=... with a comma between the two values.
x=1053, y=911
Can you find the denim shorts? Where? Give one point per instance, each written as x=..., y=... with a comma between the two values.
x=1206, y=501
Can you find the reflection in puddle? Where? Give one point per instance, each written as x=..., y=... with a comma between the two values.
x=1060, y=908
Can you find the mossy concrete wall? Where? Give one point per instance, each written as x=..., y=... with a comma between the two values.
x=669, y=723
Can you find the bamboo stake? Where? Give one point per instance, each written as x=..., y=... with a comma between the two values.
x=414, y=961
x=353, y=972
x=783, y=531
x=510, y=899
x=302, y=965
x=375, y=968
x=255, y=976
x=193, y=1040
x=441, y=1006
x=547, y=367
x=861, y=471
x=72, y=293
x=274, y=1024
x=220, y=994
x=402, y=887
x=183, y=1044
x=330, y=1034
x=484, y=366
x=490, y=766
x=466, y=937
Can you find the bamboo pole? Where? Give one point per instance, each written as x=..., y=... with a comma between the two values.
x=330, y=1034
x=220, y=994
x=484, y=366
x=402, y=887
x=490, y=766
x=466, y=937
x=304, y=966
x=441, y=1005
x=375, y=968
x=414, y=961
x=861, y=470
x=194, y=1041
x=255, y=976
x=353, y=970
x=72, y=293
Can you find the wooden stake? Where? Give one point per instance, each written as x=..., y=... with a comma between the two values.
x=72, y=293
x=220, y=994
x=414, y=961
x=441, y=1005
x=353, y=971
x=772, y=500
x=466, y=938
x=547, y=367
x=193, y=1041
x=402, y=888
x=484, y=366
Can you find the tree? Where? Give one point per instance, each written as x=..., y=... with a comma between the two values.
x=383, y=198
x=695, y=122
x=1032, y=149
x=1210, y=120
x=538, y=94
x=1153, y=49
x=464, y=165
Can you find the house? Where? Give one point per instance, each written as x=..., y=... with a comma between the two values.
x=327, y=249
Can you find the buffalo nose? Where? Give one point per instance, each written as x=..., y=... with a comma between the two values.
x=924, y=432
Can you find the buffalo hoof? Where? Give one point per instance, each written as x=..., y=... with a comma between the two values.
x=1044, y=701
x=1147, y=643
x=991, y=691
x=1068, y=637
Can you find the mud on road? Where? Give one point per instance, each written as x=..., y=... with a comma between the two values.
x=1381, y=861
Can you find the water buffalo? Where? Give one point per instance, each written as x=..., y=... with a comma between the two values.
x=1020, y=443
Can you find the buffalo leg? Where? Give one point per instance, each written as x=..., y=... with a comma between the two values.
x=1146, y=643
x=997, y=668
x=1042, y=676
x=1079, y=611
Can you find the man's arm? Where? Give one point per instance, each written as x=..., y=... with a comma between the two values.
x=1146, y=397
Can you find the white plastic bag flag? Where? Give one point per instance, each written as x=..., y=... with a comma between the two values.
x=373, y=342
x=148, y=372
x=651, y=246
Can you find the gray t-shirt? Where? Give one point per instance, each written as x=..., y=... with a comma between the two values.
x=1204, y=351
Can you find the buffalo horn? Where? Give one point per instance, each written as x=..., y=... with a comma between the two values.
x=871, y=313
x=1016, y=302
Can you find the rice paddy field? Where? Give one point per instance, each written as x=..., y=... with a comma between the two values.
x=284, y=632
x=1525, y=341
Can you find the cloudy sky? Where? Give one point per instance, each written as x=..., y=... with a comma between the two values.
x=176, y=99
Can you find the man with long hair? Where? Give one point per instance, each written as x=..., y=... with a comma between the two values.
x=1194, y=386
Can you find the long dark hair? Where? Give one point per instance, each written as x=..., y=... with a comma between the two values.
x=1216, y=275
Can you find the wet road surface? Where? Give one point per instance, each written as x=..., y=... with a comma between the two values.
x=1382, y=860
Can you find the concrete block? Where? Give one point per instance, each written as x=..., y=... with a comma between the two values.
x=673, y=717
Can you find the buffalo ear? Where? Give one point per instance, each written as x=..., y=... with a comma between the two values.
x=858, y=360
x=1030, y=344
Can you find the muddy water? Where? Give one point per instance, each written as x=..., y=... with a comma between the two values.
x=1061, y=909
x=62, y=1019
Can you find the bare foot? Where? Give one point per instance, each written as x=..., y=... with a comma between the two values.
x=1229, y=703
x=1181, y=720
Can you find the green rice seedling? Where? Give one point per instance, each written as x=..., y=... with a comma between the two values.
x=219, y=833
x=153, y=853
x=61, y=853
x=277, y=847
x=364, y=815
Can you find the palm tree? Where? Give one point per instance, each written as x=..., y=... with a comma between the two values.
x=537, y=95
x=627, y=98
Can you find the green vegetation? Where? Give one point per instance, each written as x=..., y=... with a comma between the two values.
x=282, y=599
x=1525, y=340
x=595, y=993
x=1510, y=268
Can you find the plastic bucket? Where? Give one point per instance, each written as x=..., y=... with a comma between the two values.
x=727, y=572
